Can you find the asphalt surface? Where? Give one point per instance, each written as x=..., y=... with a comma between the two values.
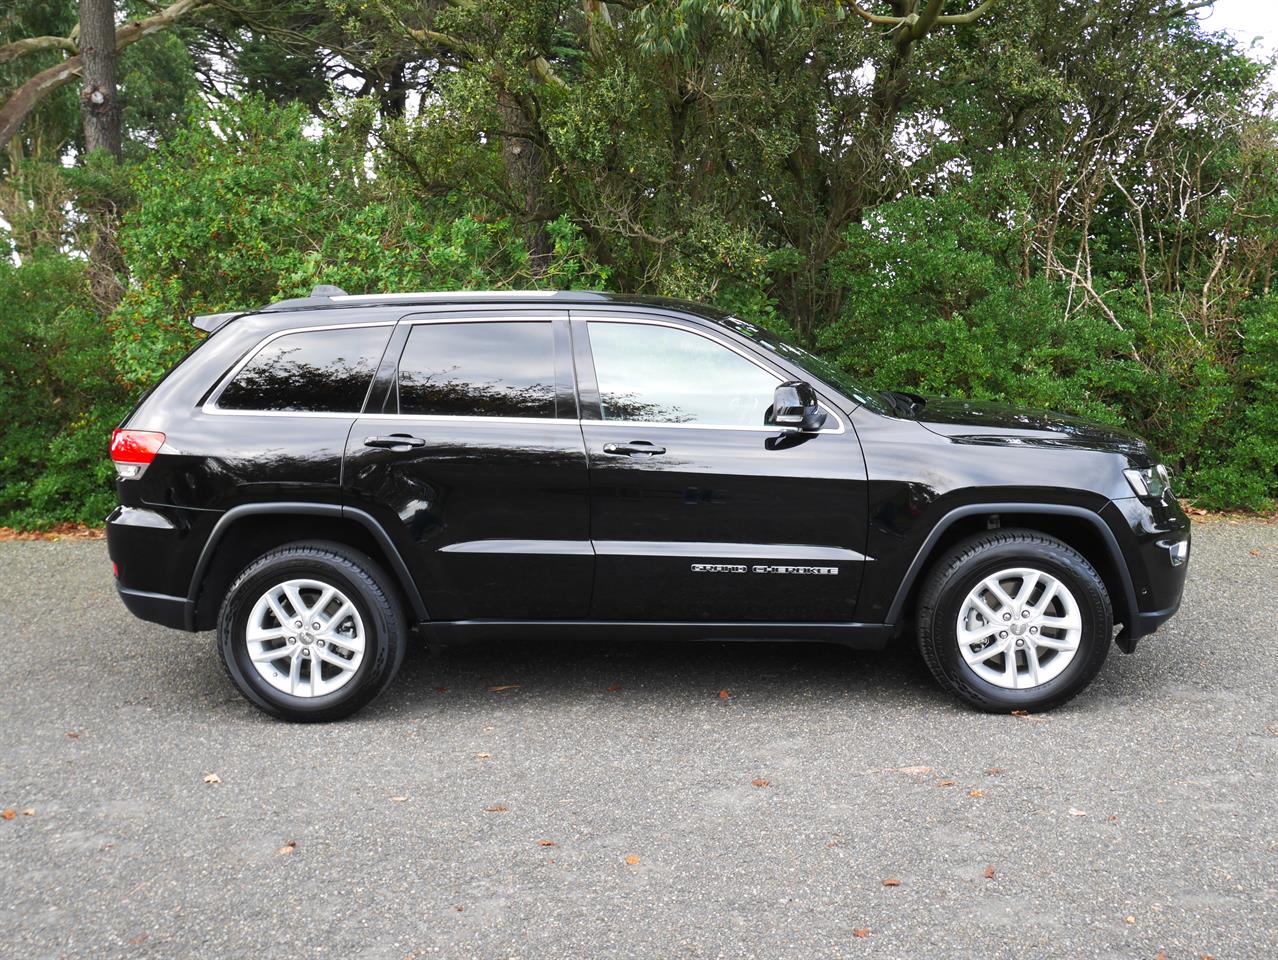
x=449, y=820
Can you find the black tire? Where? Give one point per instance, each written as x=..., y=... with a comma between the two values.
x=363, y=582
x=961, y=569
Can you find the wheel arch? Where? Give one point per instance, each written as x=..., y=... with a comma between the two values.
x=247, y=531
x=1093, y=539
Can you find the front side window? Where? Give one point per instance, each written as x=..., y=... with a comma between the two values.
x=315, y=371
x=483, y=369
x=666, y=375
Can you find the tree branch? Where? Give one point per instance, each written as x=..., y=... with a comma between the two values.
x=27, y=97
x=20, y=48
x=971, y=16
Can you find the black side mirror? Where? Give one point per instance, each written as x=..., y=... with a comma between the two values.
x=794, y=407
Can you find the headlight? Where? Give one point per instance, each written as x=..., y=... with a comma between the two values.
x=1153, y=482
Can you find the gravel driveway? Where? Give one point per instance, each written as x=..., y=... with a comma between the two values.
x=597, y=800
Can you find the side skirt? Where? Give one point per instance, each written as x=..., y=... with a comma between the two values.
x=857, y=636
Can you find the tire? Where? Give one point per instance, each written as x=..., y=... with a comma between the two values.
x=1035, y=679
x=348, y=677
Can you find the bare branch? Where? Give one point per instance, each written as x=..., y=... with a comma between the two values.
x=959, y=19
x=20, y=48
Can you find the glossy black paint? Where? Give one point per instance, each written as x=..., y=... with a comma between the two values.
x=491, y=522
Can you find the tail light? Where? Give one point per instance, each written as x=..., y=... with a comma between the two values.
x=132, y=450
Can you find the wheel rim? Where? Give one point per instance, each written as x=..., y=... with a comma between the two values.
x=1019, y=628
x=305, y=638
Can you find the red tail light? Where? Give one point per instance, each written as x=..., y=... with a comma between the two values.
x=131, y=450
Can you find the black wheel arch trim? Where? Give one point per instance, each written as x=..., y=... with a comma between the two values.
x=1134, y=626
x=399, y=569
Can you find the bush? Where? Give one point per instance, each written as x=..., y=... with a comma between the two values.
x=60, y=398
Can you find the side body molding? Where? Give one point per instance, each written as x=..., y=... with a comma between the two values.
x=398, y=567
x=1003, y=509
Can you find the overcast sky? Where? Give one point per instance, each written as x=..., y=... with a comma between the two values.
x=1247, y=20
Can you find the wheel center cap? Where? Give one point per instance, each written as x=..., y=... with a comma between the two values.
x=1018, y=629
x=306, y=639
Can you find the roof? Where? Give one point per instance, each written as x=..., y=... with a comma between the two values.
x=326, y=297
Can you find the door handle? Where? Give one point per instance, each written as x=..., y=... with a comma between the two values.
x=636, y=448
x=394, y=441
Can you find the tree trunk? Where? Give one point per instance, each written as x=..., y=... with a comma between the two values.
x=521, y=153
x=99, y=102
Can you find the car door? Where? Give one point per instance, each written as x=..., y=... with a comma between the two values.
x=474, y=460
x=700, y=511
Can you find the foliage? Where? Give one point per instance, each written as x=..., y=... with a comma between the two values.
x=59, y=407
x=1073, y=206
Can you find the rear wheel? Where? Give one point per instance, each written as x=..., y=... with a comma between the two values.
x=1014, y=619
x=311, y=632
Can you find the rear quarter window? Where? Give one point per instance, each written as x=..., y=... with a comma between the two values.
x=313, y=371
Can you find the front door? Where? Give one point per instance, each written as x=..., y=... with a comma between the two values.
x=700, y=511
x=474, y=460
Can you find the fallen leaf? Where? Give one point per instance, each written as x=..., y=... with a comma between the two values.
x=1206, y=956
x=288, y=847
x=1075, y=812
x=212, y=778
x=1020, y=713
x=503, y=687
x=441, y=689
x=8, y=813
x=723, y=694
x=1161, y=955
x=994, y=771
x=917, y=771
x=73, y=734
x=547, y=843
x=399, y=799
x=483, y=756
x=495, y=808
x=1113, y=819
x=989, y=873
x=976, y=793
x=946, y=783
x=138, y=940
x=1255, y=553
x=861, y=932
x=1129, y=919
x=761, y=782
x=891, y=882
x=29, y=812
x=614, y=688
x=632, y=859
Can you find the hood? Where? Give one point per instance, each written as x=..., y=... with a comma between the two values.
x=1001, y=424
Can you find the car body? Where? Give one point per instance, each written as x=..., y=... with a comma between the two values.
x=538, y=463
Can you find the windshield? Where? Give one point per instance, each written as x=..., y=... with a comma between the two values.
x=820, y=369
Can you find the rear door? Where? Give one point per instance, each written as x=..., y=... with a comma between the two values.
x=473, y=458
x=701, y=511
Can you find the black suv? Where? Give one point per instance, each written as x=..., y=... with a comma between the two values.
x=321, y=475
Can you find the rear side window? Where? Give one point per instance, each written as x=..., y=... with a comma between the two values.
x=318, y=371
x=485, y=369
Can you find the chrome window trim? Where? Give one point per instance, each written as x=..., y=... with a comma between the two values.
x=210, y=405
x=590, y=317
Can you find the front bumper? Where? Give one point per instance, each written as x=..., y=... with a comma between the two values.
x=1156, y=544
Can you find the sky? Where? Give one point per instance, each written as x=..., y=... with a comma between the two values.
x=1246, y=20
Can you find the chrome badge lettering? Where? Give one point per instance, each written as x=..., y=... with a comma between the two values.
x=804, y=571
x=718, y=568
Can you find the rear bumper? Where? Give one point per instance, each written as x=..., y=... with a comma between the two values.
x=156, y=607
x=143, y=544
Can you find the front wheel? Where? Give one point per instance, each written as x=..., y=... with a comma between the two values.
x=1014, y=620
x=311, y=632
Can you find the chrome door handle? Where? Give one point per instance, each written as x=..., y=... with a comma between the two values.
x=394, y=441
x=636, y=448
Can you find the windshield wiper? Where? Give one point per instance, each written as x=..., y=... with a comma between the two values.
x=905, y=403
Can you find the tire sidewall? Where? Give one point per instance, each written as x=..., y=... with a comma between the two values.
x=232, y=629
x=1077, y=577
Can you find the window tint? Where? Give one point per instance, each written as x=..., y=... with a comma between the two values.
x=666, y=375
x=320, y=371
x=485, y=369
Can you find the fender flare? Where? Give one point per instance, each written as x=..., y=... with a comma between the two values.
x=399, y=569
x=1080, y=513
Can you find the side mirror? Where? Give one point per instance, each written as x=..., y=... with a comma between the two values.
x=794, y=407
